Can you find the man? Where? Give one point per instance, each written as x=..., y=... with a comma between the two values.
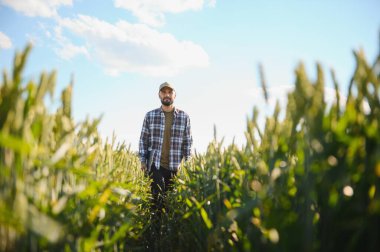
x=164, y=142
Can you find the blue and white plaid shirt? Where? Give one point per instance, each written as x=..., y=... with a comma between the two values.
x=152, y=137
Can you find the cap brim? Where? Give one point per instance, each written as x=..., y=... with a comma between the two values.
x=166, y=87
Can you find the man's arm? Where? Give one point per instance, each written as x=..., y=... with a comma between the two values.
x=187, y=140
x=144, y=142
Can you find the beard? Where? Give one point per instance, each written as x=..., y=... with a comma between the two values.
x=166, y=101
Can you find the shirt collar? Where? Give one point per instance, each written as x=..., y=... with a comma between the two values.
x=175, y=110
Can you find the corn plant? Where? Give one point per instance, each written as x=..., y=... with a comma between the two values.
x=307, y=182
x=61, y=186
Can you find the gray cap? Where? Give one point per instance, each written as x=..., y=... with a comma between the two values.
x=166, y=84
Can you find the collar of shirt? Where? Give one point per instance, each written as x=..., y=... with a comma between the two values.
x=175, y=111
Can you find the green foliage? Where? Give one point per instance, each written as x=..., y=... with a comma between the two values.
x=60, y=186
x=308, y=181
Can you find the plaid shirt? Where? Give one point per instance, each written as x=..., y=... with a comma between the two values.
x=152, y=137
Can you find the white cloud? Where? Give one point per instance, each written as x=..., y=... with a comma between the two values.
x=212, y=3
x=151, y=12
x=67, y=50
x=70, y=50
x=33, y=8
x=126, y=47
x=5, y=41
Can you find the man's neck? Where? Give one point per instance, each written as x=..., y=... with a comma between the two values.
x=167, y=108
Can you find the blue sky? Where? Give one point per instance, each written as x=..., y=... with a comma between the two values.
x=120, y=51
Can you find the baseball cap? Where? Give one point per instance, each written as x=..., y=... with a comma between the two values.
x=166, y=84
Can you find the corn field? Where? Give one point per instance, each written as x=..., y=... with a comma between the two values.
x=309, y=181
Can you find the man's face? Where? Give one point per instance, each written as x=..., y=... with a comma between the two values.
x=167, y=96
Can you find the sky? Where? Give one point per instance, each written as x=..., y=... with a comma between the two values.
x=119, y=52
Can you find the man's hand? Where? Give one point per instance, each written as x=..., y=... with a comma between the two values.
x=143, y=166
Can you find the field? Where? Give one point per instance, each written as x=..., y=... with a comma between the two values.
x=309, y=181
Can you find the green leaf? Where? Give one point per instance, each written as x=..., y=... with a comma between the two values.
x=205, y=218
x=14, y=143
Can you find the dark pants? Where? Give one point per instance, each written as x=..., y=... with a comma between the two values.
x=161, y=184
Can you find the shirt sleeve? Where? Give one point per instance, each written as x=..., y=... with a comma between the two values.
x=187, y=140
x=144, y=140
